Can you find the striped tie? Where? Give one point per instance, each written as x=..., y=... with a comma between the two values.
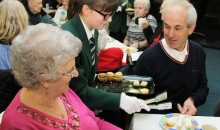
x=92, y=48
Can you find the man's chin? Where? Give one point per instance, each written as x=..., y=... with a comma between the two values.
x=172, y=45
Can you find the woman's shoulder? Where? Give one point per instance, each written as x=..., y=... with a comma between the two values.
x=4, y=47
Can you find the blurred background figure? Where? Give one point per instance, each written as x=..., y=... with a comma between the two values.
x=36, y=13
x=61, y=13
x=118, y=27
x=43, y=63
x=13, y=21
x=141, y=27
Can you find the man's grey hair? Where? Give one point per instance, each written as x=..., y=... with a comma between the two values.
x=168, y=5
x=42, y=49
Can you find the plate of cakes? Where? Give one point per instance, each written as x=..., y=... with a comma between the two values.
x=117, y=82
x=177, y=121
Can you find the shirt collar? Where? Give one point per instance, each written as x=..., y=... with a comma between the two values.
x=177, y=55
x=89, y=33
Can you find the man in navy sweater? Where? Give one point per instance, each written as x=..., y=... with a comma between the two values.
x=177, y=64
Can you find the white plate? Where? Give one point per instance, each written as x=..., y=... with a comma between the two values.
x=173, y=117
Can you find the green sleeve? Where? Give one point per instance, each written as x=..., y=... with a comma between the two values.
x=93, y=97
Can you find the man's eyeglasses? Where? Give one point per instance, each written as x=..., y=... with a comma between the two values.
x=106, y=16
x=72, y=73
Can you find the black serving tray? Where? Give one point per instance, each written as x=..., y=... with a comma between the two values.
x=126, y=86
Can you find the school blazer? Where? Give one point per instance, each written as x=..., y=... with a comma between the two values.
x=83, y=84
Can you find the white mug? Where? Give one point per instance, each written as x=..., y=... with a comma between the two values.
x=47, y=6
x=208, y=127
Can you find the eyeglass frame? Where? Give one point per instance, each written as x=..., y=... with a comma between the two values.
x=106, y=16
x=72, y=73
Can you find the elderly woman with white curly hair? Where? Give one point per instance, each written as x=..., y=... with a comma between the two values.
x=43, y=63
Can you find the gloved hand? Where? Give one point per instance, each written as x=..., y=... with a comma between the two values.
x=132, y=104
x=143, y=23
x=119, y=9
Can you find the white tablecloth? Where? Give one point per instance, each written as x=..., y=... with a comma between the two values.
x=134, y=56
x=151, y=121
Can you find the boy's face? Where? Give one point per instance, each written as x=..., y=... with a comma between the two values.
x=140, y=10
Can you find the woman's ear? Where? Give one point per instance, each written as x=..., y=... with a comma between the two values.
x=43, y=82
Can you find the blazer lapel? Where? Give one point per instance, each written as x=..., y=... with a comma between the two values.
x=82, y=36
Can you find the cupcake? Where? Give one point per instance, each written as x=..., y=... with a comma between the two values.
x=102, y=77
x=118, y=76
x=110, y=76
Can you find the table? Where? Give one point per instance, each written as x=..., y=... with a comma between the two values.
x=151, y=121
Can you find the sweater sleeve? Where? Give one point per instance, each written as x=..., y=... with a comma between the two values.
x=200, y=95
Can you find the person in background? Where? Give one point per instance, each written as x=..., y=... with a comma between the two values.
x=118, y=27
x=61, y=13
x=142, y=20
x=36, y=13
x=86, y=17
x=14, y=20
x=177, y=64
x=43, y=62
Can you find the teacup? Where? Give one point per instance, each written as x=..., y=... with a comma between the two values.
x=208, y=127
